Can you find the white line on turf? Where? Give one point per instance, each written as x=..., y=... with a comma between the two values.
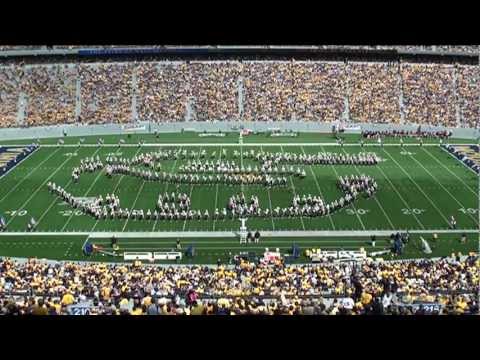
x=113, y=192
x=443, y=187
x=51, y=204
x=451, y=172
x=216, y=194
x=190, y=196
x=226, y=234
x=353, y=205
x=319, y=189
x=26, y=176
x=236, y=144
x=166, y=186
x=400, y=196
x=85, y=194
x=39, y=187
x=375, y=197
x=270, y=200
x=418, y=187
x=294, y=192
x=361, y=240
x=133, y=205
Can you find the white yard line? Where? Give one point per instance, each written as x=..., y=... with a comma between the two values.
x=353, y=202
x=401, y=197
x=418, y=187
x=51, y=204
x=166, y=186
x=241, y=162
x=270, y=200
x=190, y=196
x=133, y=206
x=41, y=186
x=294, y=192
x=26, y=176
x=85, y=194
x=216, y=194
x=113, y=192
x=378, y=203
x=319, y=189
x=443, y=187
x=451, y=172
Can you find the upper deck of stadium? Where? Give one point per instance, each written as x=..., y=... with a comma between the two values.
x=435, y=85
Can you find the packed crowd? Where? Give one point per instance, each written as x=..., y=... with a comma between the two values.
x=51, y=94
x=288, y=90
x=374, y=92
x=370, y=287
x=468, y=84
x=106, y=93
x=428, y=94
x=268, y=90
x=10, y=85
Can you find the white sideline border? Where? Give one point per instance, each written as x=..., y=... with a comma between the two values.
x=233, y=234
x=236, y=144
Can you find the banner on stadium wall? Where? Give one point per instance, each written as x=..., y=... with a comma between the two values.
x=133, y=128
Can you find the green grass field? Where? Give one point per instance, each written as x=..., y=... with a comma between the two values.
x=419, y=189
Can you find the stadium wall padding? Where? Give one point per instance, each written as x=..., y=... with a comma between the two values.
x=224, y=126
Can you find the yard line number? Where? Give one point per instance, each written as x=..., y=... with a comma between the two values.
x=357, y=212
x=468, y=210
x=16, y=212
x=412, y=211
x=70, y=212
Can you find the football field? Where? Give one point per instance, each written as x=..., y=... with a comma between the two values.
x=419, y=188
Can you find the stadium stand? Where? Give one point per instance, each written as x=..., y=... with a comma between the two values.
x=106, y=93
x=433, y=94
x=51, y=91
x=38, y=287
x=375, y=92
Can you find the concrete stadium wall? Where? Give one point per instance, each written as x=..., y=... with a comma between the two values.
x=224, y=126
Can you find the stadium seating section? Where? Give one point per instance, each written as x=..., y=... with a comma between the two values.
x=435, y=94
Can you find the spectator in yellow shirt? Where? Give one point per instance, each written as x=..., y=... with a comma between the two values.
x=68, y=299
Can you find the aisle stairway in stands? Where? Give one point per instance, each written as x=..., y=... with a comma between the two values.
x=400, y=92
x=78, y=97
x=455, y=94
